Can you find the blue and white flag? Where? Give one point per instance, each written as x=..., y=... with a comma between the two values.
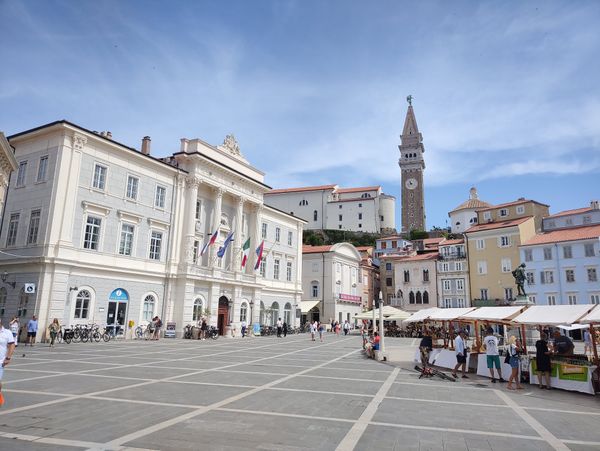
x=223, y=248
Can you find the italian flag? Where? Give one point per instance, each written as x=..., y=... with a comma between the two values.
x=245, y=252
x=259, y=252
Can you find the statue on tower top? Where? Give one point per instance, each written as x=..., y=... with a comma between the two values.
x=409, y=99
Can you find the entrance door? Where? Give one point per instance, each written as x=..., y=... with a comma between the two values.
x=115, y=318
x=223, y=315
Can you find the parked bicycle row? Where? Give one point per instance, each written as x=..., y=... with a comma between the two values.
x=84, y=333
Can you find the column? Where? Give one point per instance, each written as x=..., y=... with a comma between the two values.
x=239, y=238
x=216, y=224
x=190, y=218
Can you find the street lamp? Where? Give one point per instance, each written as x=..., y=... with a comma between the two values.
x=4, y=276
x=381, y=329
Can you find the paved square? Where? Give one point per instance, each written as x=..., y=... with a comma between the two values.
x=271, y=394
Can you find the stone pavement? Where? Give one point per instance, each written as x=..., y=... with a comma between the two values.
x=270, y=394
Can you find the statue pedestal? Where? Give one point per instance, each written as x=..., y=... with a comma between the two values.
x=522, y=300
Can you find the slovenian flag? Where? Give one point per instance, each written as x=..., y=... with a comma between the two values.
x=259, y=252
x=223, y=248
x=245, y=252
x=210, y=242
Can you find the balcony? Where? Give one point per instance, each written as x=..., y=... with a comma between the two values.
x=453, y=256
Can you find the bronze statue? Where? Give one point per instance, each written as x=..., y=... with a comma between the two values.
x=519, y=275
x=409, y=99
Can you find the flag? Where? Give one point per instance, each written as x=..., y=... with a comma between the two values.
x=210, y=242
x=223, y=248
x=245, y=252
x=259, y=252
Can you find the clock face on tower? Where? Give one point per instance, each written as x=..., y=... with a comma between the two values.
x=411, y=183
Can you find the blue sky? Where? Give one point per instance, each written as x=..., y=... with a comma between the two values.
x=506, y=93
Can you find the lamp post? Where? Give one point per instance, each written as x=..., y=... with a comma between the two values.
x=381, y=330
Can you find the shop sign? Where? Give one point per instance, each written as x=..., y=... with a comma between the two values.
x=171, y=329
x=350, y=298
x=119, y=295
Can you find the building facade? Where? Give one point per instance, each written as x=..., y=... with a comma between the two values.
x=465, y=215
x=364, y=209
x=331, y=283
x=8, y=164
x=573, y=218
x=414, y=279
x=369, y=276
x=392, y=245
x=453, y=274
x=109, y=234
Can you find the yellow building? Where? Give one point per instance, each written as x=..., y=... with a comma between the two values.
x=493, y=248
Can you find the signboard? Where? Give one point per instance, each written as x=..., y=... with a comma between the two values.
x=350, y=298
x=256, y=328
x=29, y=288
x=119, y=295
x=171, y=330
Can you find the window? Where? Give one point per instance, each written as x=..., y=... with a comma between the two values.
x=303, y=203
x=551, y=299
x=406, y=276
x=506, y=265
x=551, y=224
x=99, y=180
x=42, y=169
x=290, y=238
x=383, y=245
x=315, y=289
x=198, y=212
x=196, y=251
x=411, y=298
x=547, y=253
x=2, y=300
x=365, y=196
x=460, y=284
x=503, y=212
x=587, y=219
x=197, y=311
x=425, y=297
x=388, y=266
x=482, y=267
x=360, y=216
x=340, y=217
x=132, y=187
x=459, y=266
x=126, y=242
x=244, y=312
x=276, y=269
x=447, y=303
x=82, y=304
x=264, y=231
x=155, y=245
x=569, y=221
x=447, y=285
x=263, y=267
x=480, y=244
x=288, y=275
x=592, y=275
x=425, y=275
x=159, y=197
x=528, y=254
x=148, y=312
x=508, y=293
x=570, y=275
x=530, y=278
x=504, y=241
x=445, y=267
x=572, y=299
x=419, y=298
x=388, y=281
x=567, y=252
x=21, y=174
x=589, y=249
x=595, y=299
x=315, y=215
x=381, y=218
x=91, y=238
x=547, y=277
x=532, y=299
x=359, y=205
x=340, y=227
x=487, y=215
x=23, y=301
x=34, y=227
x=520, y=209
x=277, y=234
x=359, y=225
x=394, y=244
x=484, y=294
x=13, y=227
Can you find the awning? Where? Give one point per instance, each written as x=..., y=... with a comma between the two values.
x=592, y=317
x=421, y=315
x=389, y=313
x=553, y=314
x=449, y=314
x=499, y=314
x=306, y=306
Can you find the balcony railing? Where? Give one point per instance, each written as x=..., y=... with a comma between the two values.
x=453, y=256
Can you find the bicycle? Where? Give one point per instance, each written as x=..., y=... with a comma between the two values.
x=430, y=372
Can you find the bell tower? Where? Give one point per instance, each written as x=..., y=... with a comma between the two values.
x=412, y=166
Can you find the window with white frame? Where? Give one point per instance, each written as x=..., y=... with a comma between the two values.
x=155, y=245
x=21, y=173
x=314, y=287
x=592, y=275
x=406, y=276
x=459, y=266
x=530, y=275
x=572, y=299
x=487, y=215
x=91, y=236
x=99, y=180
x=126, y=241
x=506, y=265
x=547, y=277
x=425, y=275
x=482, y=267
x=303, y=203
x=504, y=241
x=447, y=303
x=160, y=196
x=42, y=169
x=13, y=228
x=595, y=299
x=197, y=310
x=445, y=267
x=447, y=285
x=288, y=274
x=132, y=187
x=551, y=299
x=520, y=209
x=290, y=238
x=34, y=226
x=276, y=269
x=483, y=294
x=508, y=293
x=263, y=267
x=503, y=212
x=547, y=253
x=244, y=312
x=480, y=244
x=460, y=285
x=570, y=275
x=82, y=304
x=277, y=234
x=567, y=252
x=148, y=310
x=589, y=249
x=264, y=231
x=528, y=254
x=388, y=266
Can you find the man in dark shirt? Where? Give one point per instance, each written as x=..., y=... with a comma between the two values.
x=562, y=344
x=425, y=347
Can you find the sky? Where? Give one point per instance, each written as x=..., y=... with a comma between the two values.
x=506, y=94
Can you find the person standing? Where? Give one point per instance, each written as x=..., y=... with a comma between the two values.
x=587, y=342
x=461, y=354
x=54, y=329
x=321, y=331
x=490, y=342
x=514, y=349
x=157, y=327
x=7, y=347
x=14, y=328
x=32, y=327
x=244, y=325
x=425, y=347
x=279, y=327
x=203, y=329
x=346, y=327
x=313, y=330
x=562, y=344
x=542, y=361
x=337, y=328
x=284, y=328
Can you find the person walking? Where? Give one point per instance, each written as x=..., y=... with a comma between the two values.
x=364, y=333
x=54, y=329
x=490, y=342
x=337, y=328
x=542, y=361
x=279, y=327
x=32, y=327
x=461, y=354
x=321, y=331
x=284, y=328
x=14, y=328
x=346, y=327
x=313, y=330
x=244, y=326
x=587, y=342
x=7, y=347
x=514, y=349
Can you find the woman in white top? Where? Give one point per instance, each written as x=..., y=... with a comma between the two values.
x=514, y=348
x=14, y=328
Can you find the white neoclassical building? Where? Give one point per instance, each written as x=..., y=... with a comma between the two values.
x=96, y=231
x=8, y=164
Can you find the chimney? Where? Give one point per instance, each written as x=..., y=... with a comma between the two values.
x=146, y=145
x=595, y=205
x=109, y=135
x=184, y=145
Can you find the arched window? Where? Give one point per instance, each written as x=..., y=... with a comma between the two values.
x=303, y=203
x=2, y=300
x=198, y=307
x=287, y=313
x=244, y=312
x=425, y=297
x=315, y=215
x=148, y=311
x=411, y=298
x=82, y=304
x=365, y=195
x=274, y=313
x=314, y=289
x=419, y=299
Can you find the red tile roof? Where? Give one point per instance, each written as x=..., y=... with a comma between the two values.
x=570, y=212
x=363, y=248
x=356, y=190
x=429, y=241
x=472, y=204
x=450, y=242
x=302, y=189
x=411, y=258
x=571, y=234
x=510, y=204
x=498, y=224
x=306, y=249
